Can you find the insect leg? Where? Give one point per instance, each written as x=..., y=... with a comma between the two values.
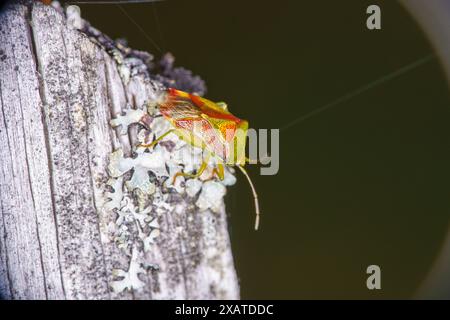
x=220, y=171
x=202, y=168
x=156, y=140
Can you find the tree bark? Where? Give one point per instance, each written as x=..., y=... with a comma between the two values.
x=60, y=234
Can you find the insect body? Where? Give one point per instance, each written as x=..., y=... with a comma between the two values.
x=211, y=127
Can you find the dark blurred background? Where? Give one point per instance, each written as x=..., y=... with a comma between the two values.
x=365, y=182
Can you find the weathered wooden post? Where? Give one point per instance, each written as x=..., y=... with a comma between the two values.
x=83, y=214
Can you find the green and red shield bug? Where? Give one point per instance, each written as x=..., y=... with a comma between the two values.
x=211, y=127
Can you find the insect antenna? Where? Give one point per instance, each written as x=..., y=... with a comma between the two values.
x=255, y=196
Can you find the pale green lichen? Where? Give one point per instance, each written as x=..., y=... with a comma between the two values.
x=140, y=180
x=131, y=116
x=129, y=279
x=211, y=196
x=193, y=186
x=129, y=213
x=73, y=15
x=115, y=197
x=150, y=238
x=146, y=177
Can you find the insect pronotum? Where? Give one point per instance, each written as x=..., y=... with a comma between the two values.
x=211, y=127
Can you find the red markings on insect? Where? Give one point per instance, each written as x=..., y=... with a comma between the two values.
x=210, y=126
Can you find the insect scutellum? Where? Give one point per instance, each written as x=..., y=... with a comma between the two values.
x=209, y=126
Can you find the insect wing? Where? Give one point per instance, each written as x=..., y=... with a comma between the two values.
x=196, y=127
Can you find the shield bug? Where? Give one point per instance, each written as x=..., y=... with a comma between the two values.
x=211, y=127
